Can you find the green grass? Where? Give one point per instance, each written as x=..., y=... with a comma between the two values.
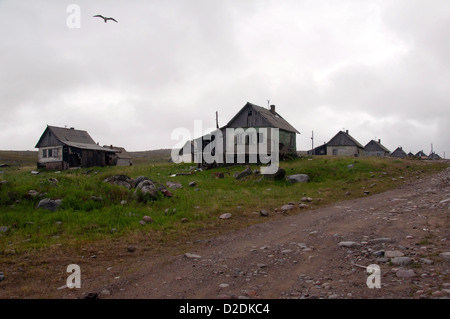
x=82, y=219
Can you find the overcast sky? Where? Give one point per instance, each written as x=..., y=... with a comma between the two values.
x=380, y=69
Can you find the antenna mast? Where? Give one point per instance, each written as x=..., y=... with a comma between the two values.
x=217, y=119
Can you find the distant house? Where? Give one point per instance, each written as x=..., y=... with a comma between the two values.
x=375, y=148
x=421, y=155
x=62, y=148
x=399, y=152
x=344, y=144
x=434, y=156
x=319, y=150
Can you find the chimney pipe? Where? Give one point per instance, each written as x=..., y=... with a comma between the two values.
x=379, y=141
x=272, y=109
x=346, y=131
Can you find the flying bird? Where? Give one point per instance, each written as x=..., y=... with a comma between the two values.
x=105, y=18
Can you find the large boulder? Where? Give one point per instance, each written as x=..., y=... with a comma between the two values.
x=49, y=204
x=120, y=180
x=298, y=178
x=146, y=190
x=279, y=174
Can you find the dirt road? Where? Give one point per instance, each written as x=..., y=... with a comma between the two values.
x=318, y=253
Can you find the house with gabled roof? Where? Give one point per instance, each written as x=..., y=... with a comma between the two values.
x=421, y=155
x=375, y=148
x=257, y=117
x=345, y=145
x=62, y=148
x=399, y=152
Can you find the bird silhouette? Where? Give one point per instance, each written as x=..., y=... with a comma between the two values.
x=105, y=18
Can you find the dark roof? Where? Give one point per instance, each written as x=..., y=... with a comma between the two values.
x=399, y=152
x=375, y=146
x=274, y=120
x=344, y=139
x=75, y=138
x=421, y=154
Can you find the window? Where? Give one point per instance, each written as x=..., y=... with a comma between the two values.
x=50, y=153
x=292, y=138
x=55, y=153
x=335, y=151
x=44, y=153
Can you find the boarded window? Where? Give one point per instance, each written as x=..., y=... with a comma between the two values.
x=44, y=153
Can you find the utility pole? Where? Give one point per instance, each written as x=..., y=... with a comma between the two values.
x=217, y=119
x=312, y=141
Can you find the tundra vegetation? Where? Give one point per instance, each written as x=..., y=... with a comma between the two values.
x=93, y=211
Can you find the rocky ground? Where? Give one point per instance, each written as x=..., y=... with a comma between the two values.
x=305, y=254
x=319, y=253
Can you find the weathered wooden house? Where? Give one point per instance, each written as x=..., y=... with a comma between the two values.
x=250, y=126
x=255, y=117
x=399, y=152
x=375, y=148
x=62, y=148
x=344, y=144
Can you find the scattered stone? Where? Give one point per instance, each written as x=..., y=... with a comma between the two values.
x=244, y=173
x=401, y=261
x=120, y=180
x=287, y=207
x=192, y=256
x=34, y=173
x=192, y=184
x=306, y=199
x=302, y=206
x=147, y=219
x=379, y=253
x=3, y=229
x=426, y=261
x=184, y=220
x=141, y=222
x=225, y=216
x=393, y=253
x=298, y=178
x=123, y=202
x=33, y=193
x=2, y=276
x=445, y=255
x=131, y=249
x=146, y=191
x=97, y=198
x=49, y=204
x=366, y=192
x=224, y=285
x=405, y=273
x=264, y=213
x=53, y=180
x=348, y=244
x=380, y=240
x=174, y=185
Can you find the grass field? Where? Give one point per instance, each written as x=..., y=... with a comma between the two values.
x=191, y=211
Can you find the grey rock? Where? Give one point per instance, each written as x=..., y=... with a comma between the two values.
x=348, y=244
x=120, y=180
x=141, y=222
x=264, y=213
x=3, y=229
x=225, y=216
x=131, y=249
x=401, y=261
x=2, y=276
x=381, y=240
x=426, y=261
x=146, y=191
x=192, y=184
x=379, y=253
x=445, y=255
x=192, y=256
x=298, y=178
x=393, y=253
x=244, y=173
x=174, y=185
x=49, y=204
x=405, y=273
x=147, y=219
x=33, y=193
x=140, y=179
x=97, y=198
x=287, y=207
x=306, y=199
